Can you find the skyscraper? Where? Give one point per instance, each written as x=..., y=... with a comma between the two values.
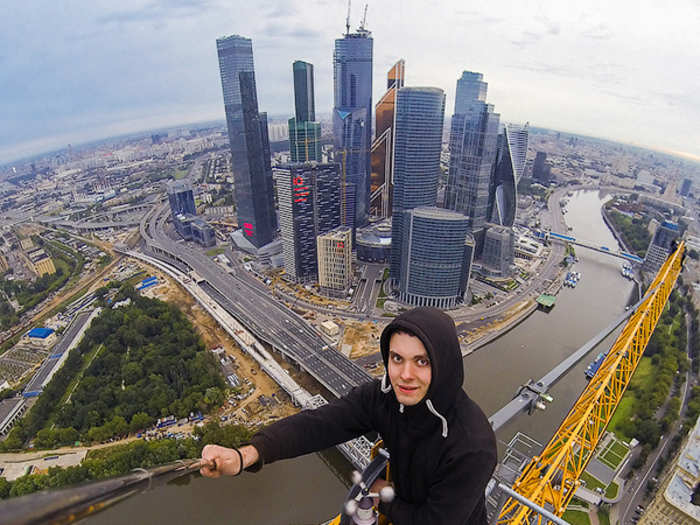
x=420, y=113
x=381, y=185
x=304, y=132
x=352, y=114
x=498, y=253
x=509, y=168
x=181, y=197
x=436, y=258
x=248, y=139
x=473, y=144
x=685, y=187
x=309, y=205
x=540, y=168
x=660, y=246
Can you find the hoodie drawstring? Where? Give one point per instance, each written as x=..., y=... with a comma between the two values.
x=430, y=406
x=385, y=388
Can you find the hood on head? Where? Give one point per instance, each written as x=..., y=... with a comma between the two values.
x=437, y=332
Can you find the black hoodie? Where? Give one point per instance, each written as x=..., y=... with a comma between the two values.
x=443, y=450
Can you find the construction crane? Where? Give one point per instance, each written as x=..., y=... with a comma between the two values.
x=551, y=479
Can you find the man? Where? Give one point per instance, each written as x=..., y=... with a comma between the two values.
x=442, y=448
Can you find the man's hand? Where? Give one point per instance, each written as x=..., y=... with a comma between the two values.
x=378, y=485
x=218, y=461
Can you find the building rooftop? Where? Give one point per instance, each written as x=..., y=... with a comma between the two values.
x=40, y=333
x=679, y=491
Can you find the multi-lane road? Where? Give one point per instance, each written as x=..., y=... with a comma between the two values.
x=250, y=302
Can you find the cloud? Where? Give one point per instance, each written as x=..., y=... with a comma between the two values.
x=598, y=32
x=157, y=11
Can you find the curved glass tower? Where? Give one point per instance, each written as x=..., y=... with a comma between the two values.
x=510, y=165
x=420, y=113
x=437, y=258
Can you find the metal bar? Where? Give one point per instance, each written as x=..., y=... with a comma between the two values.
x=534, y=506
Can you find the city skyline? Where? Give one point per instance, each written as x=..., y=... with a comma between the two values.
x=561, y=67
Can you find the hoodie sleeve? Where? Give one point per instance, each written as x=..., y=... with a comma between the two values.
x=456, y=494
x=313, y=430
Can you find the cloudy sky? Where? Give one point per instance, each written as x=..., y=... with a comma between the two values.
x=74, y=71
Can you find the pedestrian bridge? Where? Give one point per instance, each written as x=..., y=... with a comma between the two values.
x=548, y=235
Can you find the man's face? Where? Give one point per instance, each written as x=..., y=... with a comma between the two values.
x=409, y=368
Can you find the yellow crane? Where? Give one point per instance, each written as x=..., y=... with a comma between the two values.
x=551, y=479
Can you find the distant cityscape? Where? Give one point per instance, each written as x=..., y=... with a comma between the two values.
x=289, y=242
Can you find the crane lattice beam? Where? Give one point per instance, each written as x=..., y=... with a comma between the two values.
x=551, y=479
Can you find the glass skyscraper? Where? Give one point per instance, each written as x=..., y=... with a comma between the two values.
x=382, y=147
x=181, y=198
x=304, y=132
x=248, y=139
x=509, y=168
x=420, y=113
x=473, y=145
x=352, y=126
x=436, y=258
x=309, y=206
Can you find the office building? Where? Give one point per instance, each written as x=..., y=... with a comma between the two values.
x=509, y=168
x=499, y=250
x=540, y=168
x=181, y=197
x=685, y=187
x=420, y=113
x=309, y=205
x=675, y=502
x=352, y=121
x=193, y=228
x=381, y=185
x=473, y=147
x=248, y=139
x=660, y=246
x=436, y=258
x=335, y=261
x=304, y=132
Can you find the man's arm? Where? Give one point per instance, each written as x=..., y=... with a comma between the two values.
x=454, y=494
x=308, y=431
x=313, y=430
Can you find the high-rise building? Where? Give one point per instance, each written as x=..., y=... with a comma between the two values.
x=660, y=246
x=248, y=139
x=436, y=258
x=420, y=113
x=540, y=168
x=352, y=120
x=509, y=168
x=181, y=197
x=685, y=187
x=675, y=502
x=309, y=205
x=381, y=185
x=498, y=252
x=335, y=261
x=473, y=145
x=304, y=132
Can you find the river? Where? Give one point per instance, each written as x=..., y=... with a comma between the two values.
x=305, y=490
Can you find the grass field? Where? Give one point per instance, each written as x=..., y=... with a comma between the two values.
x=603, y=518
x=215, y=251
x=611, y=491
x=576, y=517
x=591, y=482
x=613, y=454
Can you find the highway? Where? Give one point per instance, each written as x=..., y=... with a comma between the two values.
x=251, y=304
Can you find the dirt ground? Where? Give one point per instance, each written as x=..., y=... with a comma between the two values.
x=362, y=336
